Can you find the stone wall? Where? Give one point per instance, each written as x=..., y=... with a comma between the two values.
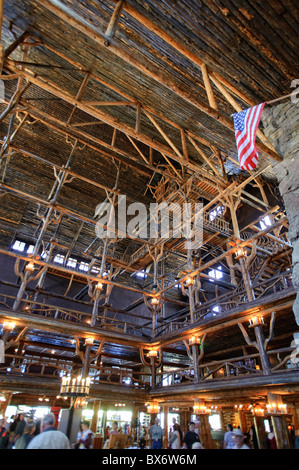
x=281, y=127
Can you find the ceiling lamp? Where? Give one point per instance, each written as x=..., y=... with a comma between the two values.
x=189, y=281
x=200, y=408
x=155, y=301
x=240, y=253
x=29, y=267
x=99, y=286
x=74, y=387
x=153, y=407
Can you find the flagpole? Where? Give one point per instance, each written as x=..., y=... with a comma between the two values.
x=279, y=99
x=275, y=101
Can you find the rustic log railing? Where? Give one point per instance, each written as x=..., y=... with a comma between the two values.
x=228, y=368
x=73, y=316
x=18, y=365
x=227, y=302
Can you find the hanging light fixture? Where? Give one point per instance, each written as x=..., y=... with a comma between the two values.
x=200, y=408
x=189, y=281
x=153, y=407
x=155, y=301
x=99, y=286
x=240, y=253
x=75, y=387
x=29, y=267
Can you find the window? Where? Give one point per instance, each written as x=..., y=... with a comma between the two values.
x=83, y=266
x=265, y=222
x=30, y=249
x=216, y=273
x=215, y=422
x=216, y=213
x=19, y=246
x=141, y=274
x=216, y=310
x=95, y=270
x=59, y=259
x=72, y=263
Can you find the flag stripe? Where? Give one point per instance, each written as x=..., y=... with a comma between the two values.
x=246, y=124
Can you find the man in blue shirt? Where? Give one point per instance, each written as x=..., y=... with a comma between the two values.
x=156, y=433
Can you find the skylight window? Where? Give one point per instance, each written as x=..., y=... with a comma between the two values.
x=59, y=259
x=72, y=263
x=265, y=222
x=216, y=273
x=217, y=212
x=216, y=310
x=19, y=246
x=95, y=270
x=83, y=266
x=141, y=274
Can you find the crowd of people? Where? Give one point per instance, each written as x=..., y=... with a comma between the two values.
x=191, y=439
x=21, y=433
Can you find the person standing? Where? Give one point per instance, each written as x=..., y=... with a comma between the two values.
x=176, y=438
x=20, y=427
x=85, y=439
x=28, y=434
x=190, y=437
x=239, y=438
x=3, y=435
x=49, y=437
x=229, y=441
x=156, y=433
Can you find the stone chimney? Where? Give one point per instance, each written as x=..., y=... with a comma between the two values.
x=281, y=127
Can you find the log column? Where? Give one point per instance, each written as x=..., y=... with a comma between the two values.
x=205, y=431
x=260, y=431
x=94, y=421
x=279, y=422
x=5, y=404
x=165, y=441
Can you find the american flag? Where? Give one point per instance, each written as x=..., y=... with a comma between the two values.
x=246, y=123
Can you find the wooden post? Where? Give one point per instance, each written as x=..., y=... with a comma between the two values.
x=5, y=404
x=205, y=431
x=208, y=86
x=94, y=421
x=153, y=371
x=260, y=431
x=111, y=28
x=242, y=420
x=165, y=441
x=195, y=355
x=1, y=47
x=279, y=423
x=221, y=416
x=263, y=354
